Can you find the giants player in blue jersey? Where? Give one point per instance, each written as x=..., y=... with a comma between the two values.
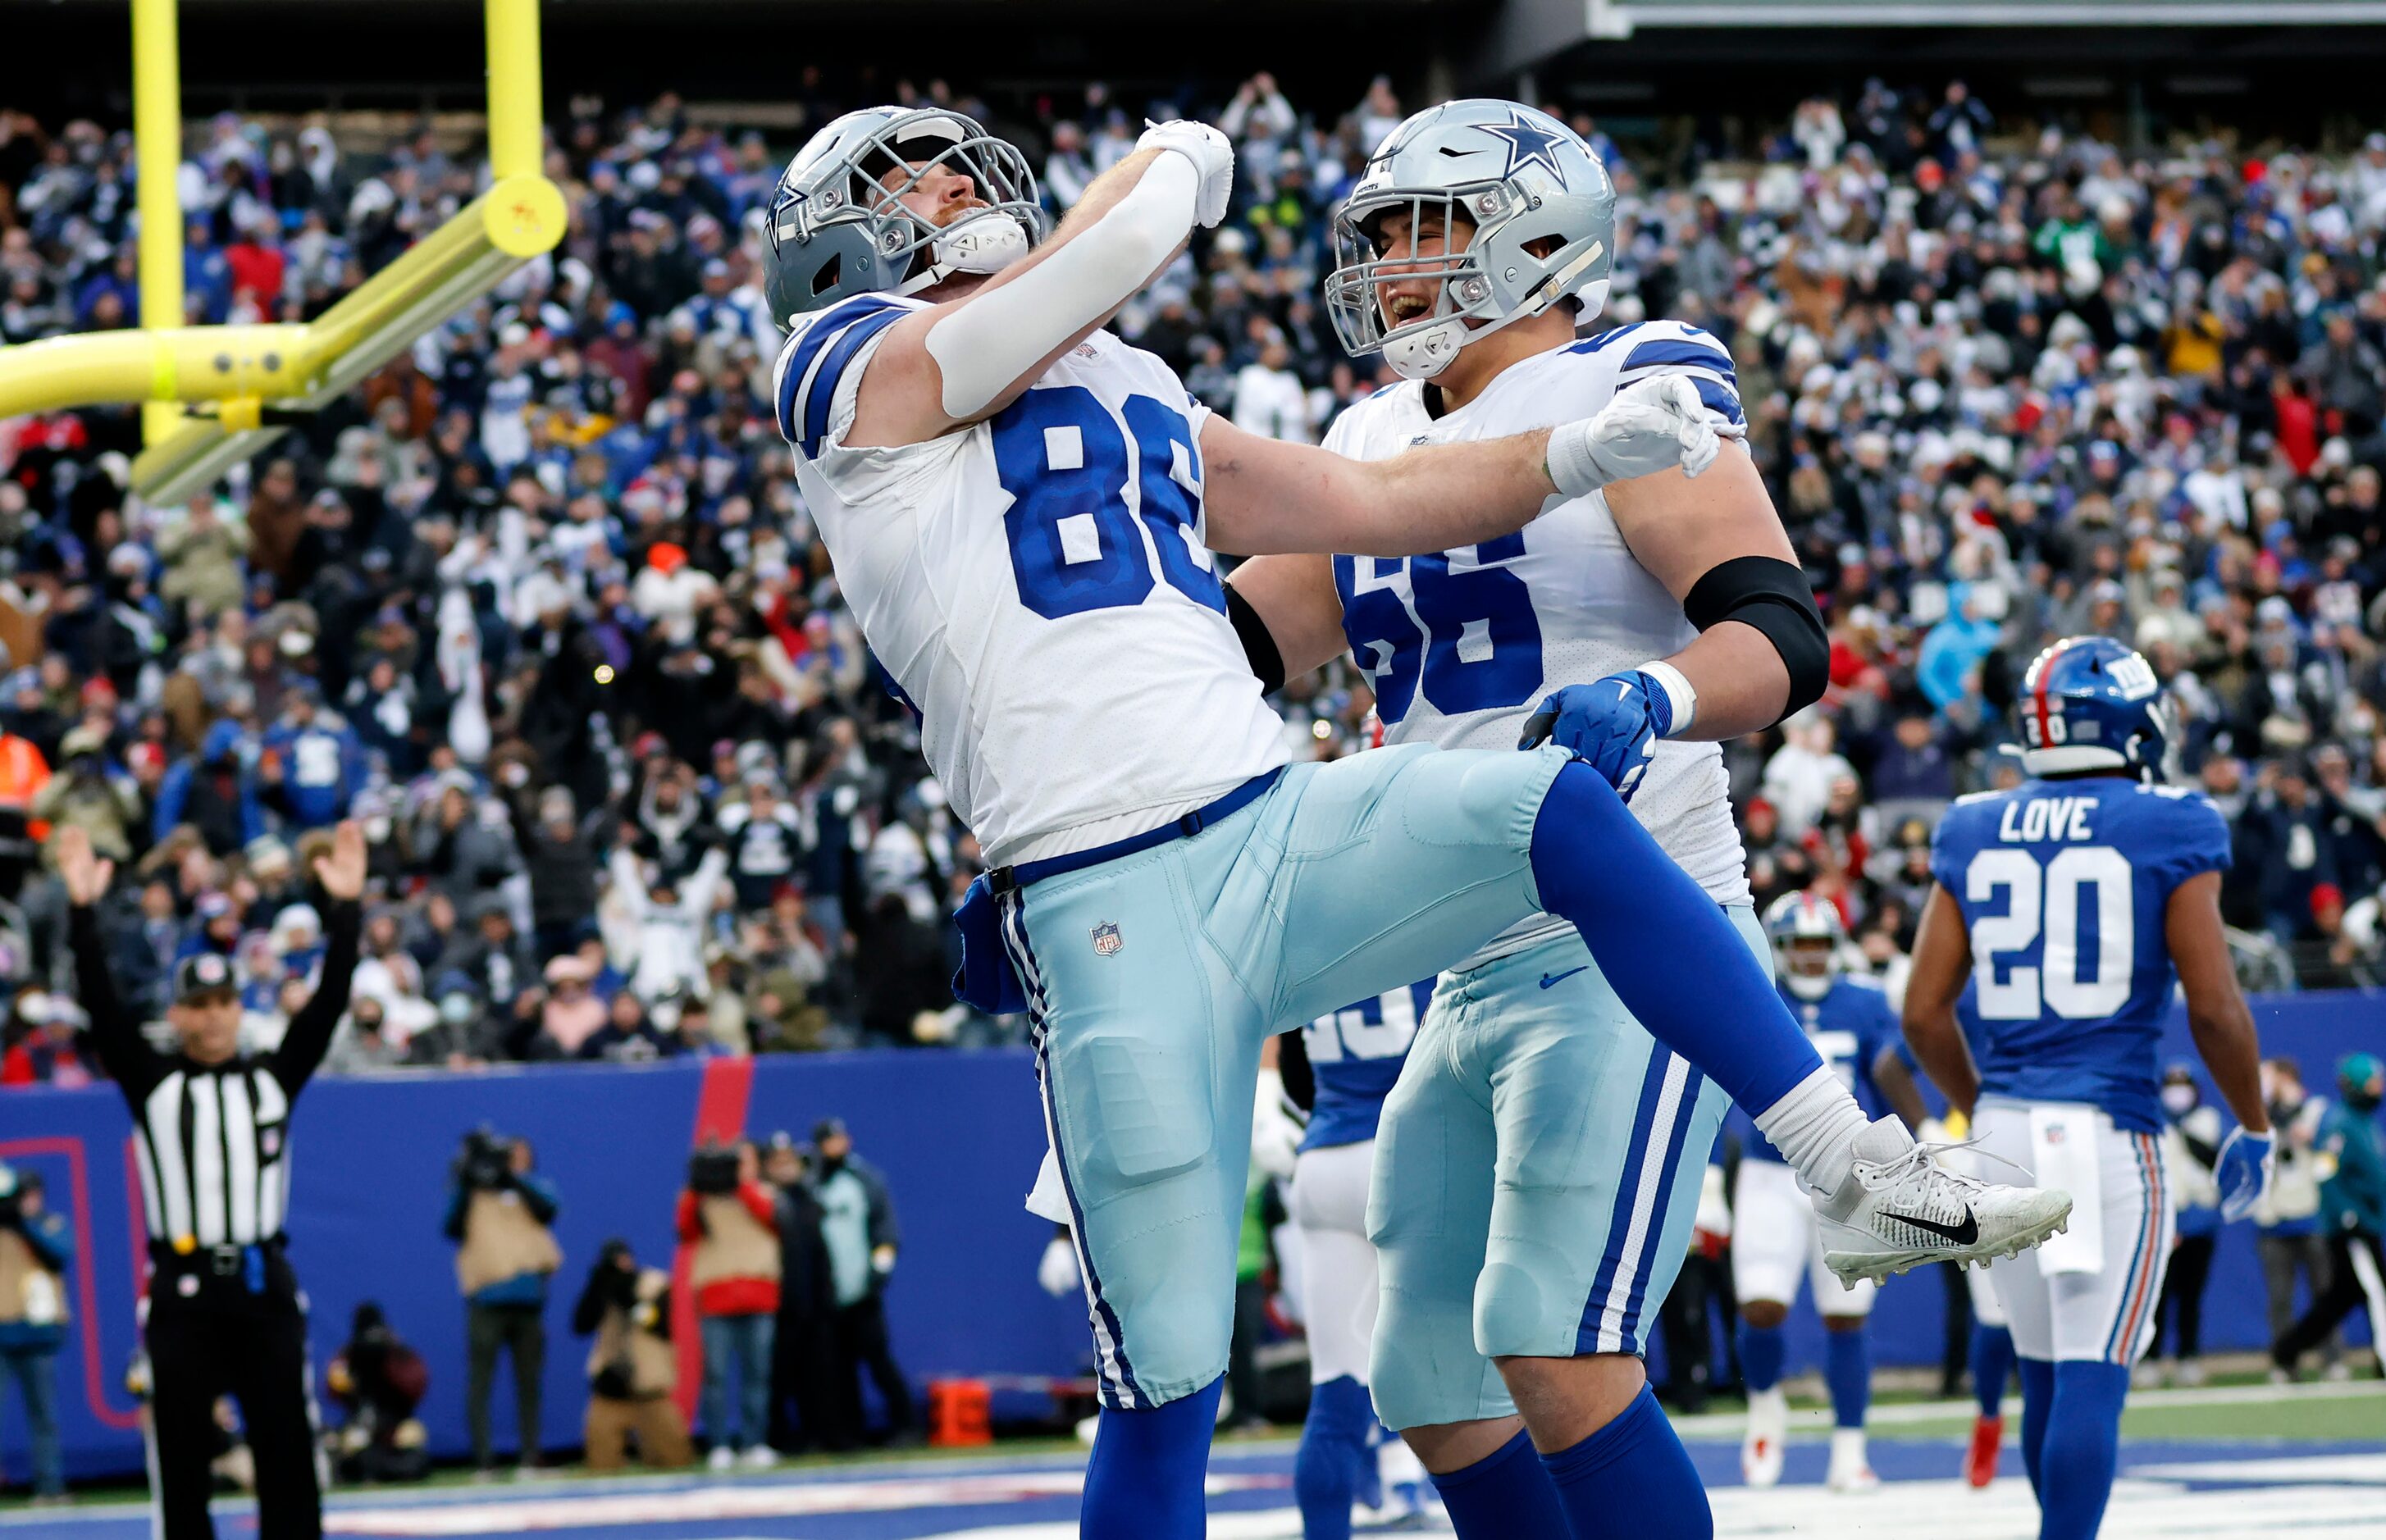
x=1022, y=509
x=1774, y=1248
x=1354, y=1057
x=2074, y=901
x=1538, y=1172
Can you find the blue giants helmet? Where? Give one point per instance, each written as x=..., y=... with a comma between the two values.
x=1806, y=932
x=2091, y=704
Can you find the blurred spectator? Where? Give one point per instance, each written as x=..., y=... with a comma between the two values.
x=730, y=1221
x=2353, y=1211
x=804, y=1355
x=377, y=1382
x=632, y=1365
x=858, y=1231
x=2287, y=1221
x=36, y=1247
x=2191, y=1136
x=501, y=1215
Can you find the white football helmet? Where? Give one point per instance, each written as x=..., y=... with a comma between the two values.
x=1520, y=179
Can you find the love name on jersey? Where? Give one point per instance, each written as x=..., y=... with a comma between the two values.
x=2046, y=818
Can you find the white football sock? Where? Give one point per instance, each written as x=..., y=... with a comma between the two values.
x=1815, y=1128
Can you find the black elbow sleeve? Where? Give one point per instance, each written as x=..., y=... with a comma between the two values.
x=1772, y=595
x=1259, y=647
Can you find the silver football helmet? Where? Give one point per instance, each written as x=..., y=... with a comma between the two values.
x=1520, y=179
x=837, y=225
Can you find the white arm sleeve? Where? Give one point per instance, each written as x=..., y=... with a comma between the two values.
x=985, y=345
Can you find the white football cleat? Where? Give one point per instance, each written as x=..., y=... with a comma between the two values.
x=1768, y=1429
x=1850, y=1471
x=1897, y=1208
x=723, y=1458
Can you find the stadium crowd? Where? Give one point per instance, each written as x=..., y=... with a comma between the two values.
x=542, y=607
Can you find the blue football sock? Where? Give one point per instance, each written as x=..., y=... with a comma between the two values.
x=1662, y=944
x=1145, y=1479
x=1848, y=1370
x=2083, y=1439
x=1632, y=1479
x=1505, y=1495
x=1992, y=1362
x=1334, y=1443
x=2037, y=1403
x=1761, y=1351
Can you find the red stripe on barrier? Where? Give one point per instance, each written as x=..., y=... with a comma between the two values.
x=719, y=1116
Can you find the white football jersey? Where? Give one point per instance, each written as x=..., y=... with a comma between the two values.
x=1460, y=648
x=1038, y=587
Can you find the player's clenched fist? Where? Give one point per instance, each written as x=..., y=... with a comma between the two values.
x=1654, y=426
x=1212, y=155
x=1612, y=724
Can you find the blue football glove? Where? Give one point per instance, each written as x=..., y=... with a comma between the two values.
x=2243, y=1171
x=1611, y=724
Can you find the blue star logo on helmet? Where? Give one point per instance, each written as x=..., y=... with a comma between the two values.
x=1528, y=145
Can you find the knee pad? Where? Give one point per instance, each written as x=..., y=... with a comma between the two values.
x=1509, y=1305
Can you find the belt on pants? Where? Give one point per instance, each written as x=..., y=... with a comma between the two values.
x=987, y=980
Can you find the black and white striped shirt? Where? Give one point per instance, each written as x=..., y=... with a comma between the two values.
x=213, y=1141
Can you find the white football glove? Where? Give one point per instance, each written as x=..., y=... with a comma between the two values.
x=1212, y=157
x=1654, y=426
x=1275, y=1132
x=1056, y=1273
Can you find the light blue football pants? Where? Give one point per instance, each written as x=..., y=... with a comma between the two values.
x=1153, y=979
x=1536, y=1175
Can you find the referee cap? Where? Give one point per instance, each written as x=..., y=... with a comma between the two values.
x=203, y=974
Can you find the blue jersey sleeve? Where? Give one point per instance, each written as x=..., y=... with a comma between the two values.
x=1670, y=348
x=2191, y=837
x=1952, y=845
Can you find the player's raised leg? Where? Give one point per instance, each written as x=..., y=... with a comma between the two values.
x=1673, y=960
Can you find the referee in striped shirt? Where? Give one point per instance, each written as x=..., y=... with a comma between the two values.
x=224, y=1314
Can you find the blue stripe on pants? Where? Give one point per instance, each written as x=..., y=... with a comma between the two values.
x=1619, y=1219
x=1127, y=1394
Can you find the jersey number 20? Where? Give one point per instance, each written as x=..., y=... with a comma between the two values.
x=2048, y=898
x=1073, y=545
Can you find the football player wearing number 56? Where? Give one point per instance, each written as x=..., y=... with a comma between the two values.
x=1020, y=507
x=2074, y=900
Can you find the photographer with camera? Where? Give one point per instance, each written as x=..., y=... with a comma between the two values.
x=730, y=1221
x=500, y=1216
x=632, y=1368
x=36, y=1244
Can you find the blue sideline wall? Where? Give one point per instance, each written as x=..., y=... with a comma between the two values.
x=957, y=1133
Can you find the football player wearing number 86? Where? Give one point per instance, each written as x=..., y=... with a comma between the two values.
x=1537, y=1170
x=1021, y=510
x=2074, y=900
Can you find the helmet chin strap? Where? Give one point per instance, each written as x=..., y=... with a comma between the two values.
x=985, y=243
x=1426, y=353
x=1807, y=986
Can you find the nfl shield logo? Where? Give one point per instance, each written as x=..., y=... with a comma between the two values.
x=1107, y=940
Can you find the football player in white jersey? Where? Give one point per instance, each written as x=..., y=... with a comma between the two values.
x=1020, y=507
x=1539, y=1166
